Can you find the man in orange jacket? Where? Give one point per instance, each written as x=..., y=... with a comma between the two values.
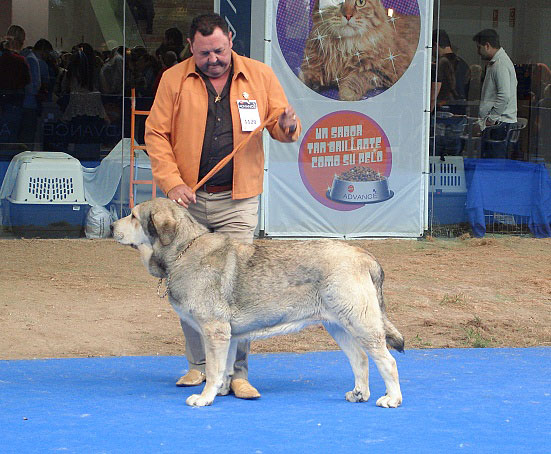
x=204, y=107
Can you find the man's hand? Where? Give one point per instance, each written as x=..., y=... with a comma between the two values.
x=288, y=119
x=182, y=195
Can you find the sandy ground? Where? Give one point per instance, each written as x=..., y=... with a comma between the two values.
x=79, y=298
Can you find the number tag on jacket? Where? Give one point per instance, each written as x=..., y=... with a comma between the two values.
x=248, y=112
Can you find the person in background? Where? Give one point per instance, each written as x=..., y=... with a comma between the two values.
x=81, y=102
x=30, y=100
x=47, y=61
x=111, y=73
x=455, y=75
x=475, y=87
x=498, y=99
x=14, y=77
x=435, y=86
x=194, y=123
x=143, y=10
x=174, y=40
x=143, y=71
x=168, y=60
x=83, y=69
x=64, y=58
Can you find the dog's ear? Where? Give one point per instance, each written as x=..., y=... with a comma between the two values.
x=165, y=226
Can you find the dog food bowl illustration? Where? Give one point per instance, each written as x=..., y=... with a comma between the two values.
x=359, y=185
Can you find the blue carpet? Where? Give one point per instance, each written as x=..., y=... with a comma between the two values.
x=472, y=400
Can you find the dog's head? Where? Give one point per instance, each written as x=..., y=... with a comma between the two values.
x=156, y=223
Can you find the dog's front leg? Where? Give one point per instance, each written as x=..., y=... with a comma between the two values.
x=216, y=336
x=229, y=370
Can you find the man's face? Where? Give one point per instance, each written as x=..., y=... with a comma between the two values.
x=485, y=51
x=212, y=53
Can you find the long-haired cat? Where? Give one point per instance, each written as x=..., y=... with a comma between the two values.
x=356, y=47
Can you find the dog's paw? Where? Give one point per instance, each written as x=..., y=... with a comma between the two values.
x=389, y=402
x=357, y=396
x=197, y=400
x=224, y=389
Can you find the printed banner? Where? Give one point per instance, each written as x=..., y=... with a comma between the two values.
x=354, y=70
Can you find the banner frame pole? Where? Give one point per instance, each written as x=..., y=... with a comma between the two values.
x=263, y=211
x=426, y=117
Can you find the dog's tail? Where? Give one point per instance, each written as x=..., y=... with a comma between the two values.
x=377, y=277
x=393, y=336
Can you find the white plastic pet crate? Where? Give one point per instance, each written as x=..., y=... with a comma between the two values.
x=447, y=175
x=447, y=190
x=47, y=194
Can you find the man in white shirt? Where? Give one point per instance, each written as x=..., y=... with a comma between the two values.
x=498, y=100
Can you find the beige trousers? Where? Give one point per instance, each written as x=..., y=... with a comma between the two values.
x=238, y=219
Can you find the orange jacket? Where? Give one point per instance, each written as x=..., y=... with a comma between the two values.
x=175, y=128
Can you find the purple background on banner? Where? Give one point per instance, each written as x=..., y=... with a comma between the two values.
x=291, y=15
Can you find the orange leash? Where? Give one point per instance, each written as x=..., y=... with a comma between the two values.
x=224, y=161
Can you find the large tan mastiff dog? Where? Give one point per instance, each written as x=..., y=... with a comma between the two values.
x=230, y=291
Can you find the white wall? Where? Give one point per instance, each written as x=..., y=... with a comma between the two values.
x=72, y=22
x=32, y=15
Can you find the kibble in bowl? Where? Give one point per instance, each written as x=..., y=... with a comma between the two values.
x=359, y=173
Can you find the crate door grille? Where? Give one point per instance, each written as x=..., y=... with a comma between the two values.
x=445, y=176
x=58, y=189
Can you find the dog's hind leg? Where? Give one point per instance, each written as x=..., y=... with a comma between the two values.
x=386, y=364
x=374, y=342
x=371, y=336
x=358, y=360
x=216, y=336
x=358, y=312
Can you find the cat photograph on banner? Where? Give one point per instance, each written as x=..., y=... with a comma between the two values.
x=348, y=50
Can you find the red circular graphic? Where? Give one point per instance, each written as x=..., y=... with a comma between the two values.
x=336, y=143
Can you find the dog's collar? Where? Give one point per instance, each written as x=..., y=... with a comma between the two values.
x=185, y=249
x=159, y=285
